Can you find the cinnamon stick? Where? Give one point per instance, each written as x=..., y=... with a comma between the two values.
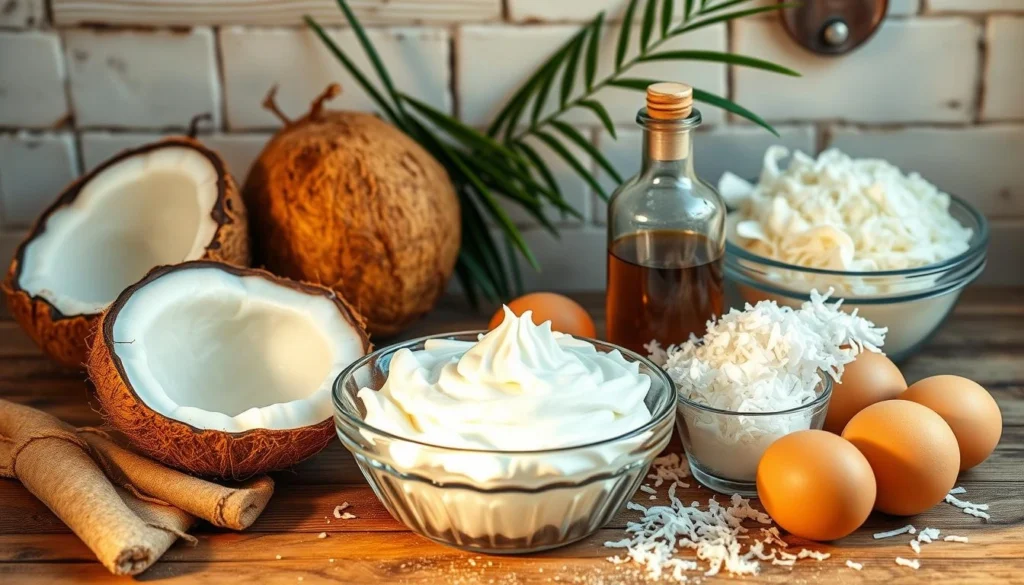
x=127, y=534
x=236, y=508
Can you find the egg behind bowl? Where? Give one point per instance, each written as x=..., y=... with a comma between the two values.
x=912, y=451
x=565, y=314
x=870, y=378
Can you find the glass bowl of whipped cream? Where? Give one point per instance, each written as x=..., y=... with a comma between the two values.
x=516, y=440
x=896, y=248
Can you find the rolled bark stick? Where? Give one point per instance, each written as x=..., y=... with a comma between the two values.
x=53, y=463
x=229, y=507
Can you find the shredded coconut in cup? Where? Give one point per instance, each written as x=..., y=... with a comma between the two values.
x=768, y=362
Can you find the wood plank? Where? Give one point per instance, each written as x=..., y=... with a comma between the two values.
x=309, y=508
x=455, y=568
x=230, y=547
x=257, y=12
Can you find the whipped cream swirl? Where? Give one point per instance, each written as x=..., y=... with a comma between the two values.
x=521, y=387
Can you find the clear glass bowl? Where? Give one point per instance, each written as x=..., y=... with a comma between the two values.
x=724, y=447
x=912, y=303
x=499, y=501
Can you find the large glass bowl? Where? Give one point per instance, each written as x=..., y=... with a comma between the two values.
x=912, y=303
x=499, y=501
x=724, y=447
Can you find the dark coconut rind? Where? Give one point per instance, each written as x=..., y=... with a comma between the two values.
x=348, y=201
x=66, y=339
x=203, y=451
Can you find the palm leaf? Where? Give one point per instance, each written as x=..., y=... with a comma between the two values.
x=730, y=16
x=468, y=135
x=731, y=106
x=483, y=248
x=593, y=50
x=540, y=100
x=687, y=10
x=517, y=275
x=721, y=6
x=601, y=113
x=468, y=280
x=666, y=15
x=588, y=147
x=647, y=26
x=569, y=73
x=632, y=83
x=719, y=57
x=354, y=71
x=576, y=165
x=541, y=167
x=371, y=52
x=627, y=28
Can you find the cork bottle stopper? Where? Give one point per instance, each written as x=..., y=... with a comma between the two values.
x=669, y=100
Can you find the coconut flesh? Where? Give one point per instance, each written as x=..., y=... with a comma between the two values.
x=143, y=211
x=160, y=204
x=224, y=371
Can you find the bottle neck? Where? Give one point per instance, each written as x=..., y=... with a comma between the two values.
x=668, y=150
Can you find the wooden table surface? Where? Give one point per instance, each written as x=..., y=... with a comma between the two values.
x=983, y=340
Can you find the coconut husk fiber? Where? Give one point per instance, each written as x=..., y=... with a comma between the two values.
x=120, y=518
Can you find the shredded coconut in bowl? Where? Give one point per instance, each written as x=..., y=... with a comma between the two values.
x=840, y=213
x=764, y=359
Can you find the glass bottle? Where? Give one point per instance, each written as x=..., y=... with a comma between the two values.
x=666, y=233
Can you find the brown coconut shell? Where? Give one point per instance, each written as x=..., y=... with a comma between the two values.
x=66, y=338
x=203, y=451
x=348, y=201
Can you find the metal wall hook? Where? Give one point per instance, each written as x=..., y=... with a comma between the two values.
x=833, y=27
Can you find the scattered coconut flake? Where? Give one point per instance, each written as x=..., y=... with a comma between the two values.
x=913, y=564
x=653, y=498
x=670, y=467
x=977, y=510
x=472, y=563
x=955, y=538
x=813, y=554
x=647, y=489
x=916, y=546
x=928, y=535
x=278, y=557
x=338, y=509
x=348, y=516
x=909, y=528
x=330, y=560
x=302, y=579
x=715, y=532
x=854, y=566
x=322, y=535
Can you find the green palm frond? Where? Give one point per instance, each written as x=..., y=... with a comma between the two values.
x=500, y=167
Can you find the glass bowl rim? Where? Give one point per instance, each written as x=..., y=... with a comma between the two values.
x=818, y=400
x=657, y=418
x=978, y=244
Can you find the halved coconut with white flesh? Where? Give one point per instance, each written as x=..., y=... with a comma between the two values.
x=162, y=203
x=224, y=371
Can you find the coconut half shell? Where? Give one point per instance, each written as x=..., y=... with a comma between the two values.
x=161, y=203
x=224, y=371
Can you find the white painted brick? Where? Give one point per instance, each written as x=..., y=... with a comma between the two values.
x=1004, y=71
x=981, y=164
x=575, y=261
x=142, y=79
x=31, y=80
x=485, y=88
x=34, y=169
x=176, y=12
x=297, y=61
x=911, y=70
x=1005, y=243
x=739, y=149
x=975, y=6
x=238, y=150
x=574, y=10
x=22, y=13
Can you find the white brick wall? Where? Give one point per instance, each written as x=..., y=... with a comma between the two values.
x=939, y=90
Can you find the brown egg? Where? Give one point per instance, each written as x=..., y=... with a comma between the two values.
x=816, y=485
x=870, y=378
x=967, y=408
x=565, y=314
x=912, y=451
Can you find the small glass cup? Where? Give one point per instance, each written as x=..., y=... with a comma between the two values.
x=499, y=501
x=724, y=447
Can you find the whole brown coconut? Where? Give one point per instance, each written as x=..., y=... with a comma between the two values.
x=65, y=335
x=348, y=201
